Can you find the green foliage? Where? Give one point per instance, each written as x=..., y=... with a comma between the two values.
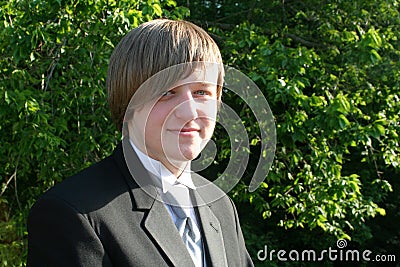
x=318, y=124
x=53, y=108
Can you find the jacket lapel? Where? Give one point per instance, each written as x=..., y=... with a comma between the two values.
x=161, y=228
x=212, y=231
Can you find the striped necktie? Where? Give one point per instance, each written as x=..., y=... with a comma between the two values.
x=190, y=234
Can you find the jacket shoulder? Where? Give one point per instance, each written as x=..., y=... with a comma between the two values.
x=91, y=188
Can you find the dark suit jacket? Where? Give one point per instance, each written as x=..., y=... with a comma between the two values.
x=101, y=217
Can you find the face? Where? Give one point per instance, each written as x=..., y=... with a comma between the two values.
x=175, y=128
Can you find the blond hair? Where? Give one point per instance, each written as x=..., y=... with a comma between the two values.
x=149, y=49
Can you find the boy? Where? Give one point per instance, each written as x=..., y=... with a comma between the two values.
x=142, y=206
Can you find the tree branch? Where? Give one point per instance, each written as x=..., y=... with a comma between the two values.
x=303, y=41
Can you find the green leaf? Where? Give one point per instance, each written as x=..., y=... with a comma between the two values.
x=343, y=121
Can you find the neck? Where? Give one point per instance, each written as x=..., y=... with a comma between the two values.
x=175, y=167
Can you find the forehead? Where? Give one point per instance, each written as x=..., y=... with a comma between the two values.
x=208, y=75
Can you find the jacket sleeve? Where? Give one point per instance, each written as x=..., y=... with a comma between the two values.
x=245, y=257
x=59, y=235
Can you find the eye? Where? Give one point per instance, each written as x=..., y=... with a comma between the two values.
x=167, y=93
x=201, y=92
x=205, y=90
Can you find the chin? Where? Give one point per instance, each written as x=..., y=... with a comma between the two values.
x=191, y=156
x=188, y=154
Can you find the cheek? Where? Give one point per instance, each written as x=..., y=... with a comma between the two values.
x=208, y=110
x=208, y=126
x=208, y=113
x=156, y=121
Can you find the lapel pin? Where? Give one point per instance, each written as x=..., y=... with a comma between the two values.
x=215, y=228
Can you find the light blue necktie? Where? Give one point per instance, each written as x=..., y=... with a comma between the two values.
x=190, y=234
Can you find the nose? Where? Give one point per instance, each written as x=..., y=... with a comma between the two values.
x=186, y=109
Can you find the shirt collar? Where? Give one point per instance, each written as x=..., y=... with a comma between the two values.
x=168, y=180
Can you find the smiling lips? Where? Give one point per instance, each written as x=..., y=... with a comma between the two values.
x=187, y=131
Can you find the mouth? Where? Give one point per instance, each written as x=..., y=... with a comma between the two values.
x=190, y=131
